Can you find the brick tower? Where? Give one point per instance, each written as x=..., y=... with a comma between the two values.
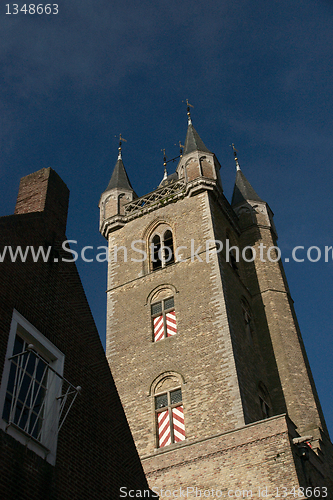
x=203, y=341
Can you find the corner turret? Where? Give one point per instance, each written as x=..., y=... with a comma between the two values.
x=248, y=205
x=198, y=165
x=118, y=192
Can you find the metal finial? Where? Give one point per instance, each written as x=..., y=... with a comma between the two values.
x=121, y=140
x=188, y=111
x=235, y=155
x=164, y=164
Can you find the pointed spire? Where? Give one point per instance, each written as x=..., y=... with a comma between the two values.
x=193, y=141
x=243, y=191
x=119, y=178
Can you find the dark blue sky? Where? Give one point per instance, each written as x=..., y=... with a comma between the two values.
x=258, y=73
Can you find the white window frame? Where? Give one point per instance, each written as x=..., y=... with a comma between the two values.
x=47, y=446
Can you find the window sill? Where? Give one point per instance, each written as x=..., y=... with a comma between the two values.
x=26, y=440
x=170, y=447
x=151, y=271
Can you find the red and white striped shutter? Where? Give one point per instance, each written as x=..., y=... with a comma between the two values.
x=158, y=328
x=178, y=424
x=164, y=434
x=171, y=325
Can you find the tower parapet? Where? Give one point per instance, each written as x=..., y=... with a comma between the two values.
x=197, y=171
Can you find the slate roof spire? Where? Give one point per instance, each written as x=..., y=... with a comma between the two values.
x=243, y=191
x=119, y=178
x=193, y=141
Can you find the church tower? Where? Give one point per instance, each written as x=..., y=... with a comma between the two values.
x=202, y=338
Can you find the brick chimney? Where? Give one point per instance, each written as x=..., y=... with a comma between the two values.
x=44, y=191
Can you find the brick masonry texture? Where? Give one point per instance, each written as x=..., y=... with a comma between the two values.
x=220, y=365
x=96, y=453
x=136, y=361
x=253, y=457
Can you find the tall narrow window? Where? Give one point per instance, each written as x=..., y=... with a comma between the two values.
x=232, y=253
x=164, y=319
x=248, y=319
x=156, y=253
x=168, y=248
x=170, y=418
x=27, y=385
x=265, y=409
x=233, y=261
x=265, y=401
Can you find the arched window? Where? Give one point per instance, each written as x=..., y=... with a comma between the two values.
x=161, y=247
x=169, y=411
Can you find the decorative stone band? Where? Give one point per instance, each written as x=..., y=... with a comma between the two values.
x=157, y=199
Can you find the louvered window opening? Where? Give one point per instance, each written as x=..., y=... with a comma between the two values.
x=163, y=319
x=170, y=418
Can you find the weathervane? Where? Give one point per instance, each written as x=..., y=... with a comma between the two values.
x=181, y=146
x=188, y=111
x=121, y=140
x=235, y=155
